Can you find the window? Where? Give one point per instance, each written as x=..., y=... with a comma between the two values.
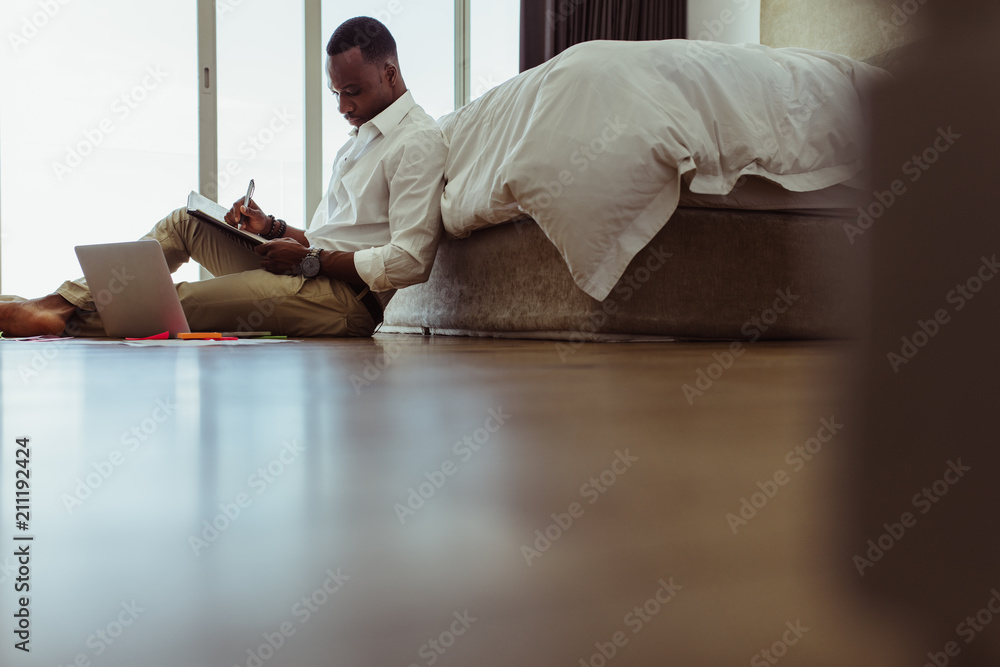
x=98, y=130
x=260, y=102
x=495, y=53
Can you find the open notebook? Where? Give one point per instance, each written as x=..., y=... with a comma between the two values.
x=214, y=214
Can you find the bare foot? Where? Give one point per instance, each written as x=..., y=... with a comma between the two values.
x=35, y=317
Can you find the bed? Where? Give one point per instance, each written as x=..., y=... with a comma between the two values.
x=627, y=190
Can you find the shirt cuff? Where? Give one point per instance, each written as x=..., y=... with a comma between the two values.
x=371, y=267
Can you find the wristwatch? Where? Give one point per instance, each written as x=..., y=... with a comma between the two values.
x=310, y=265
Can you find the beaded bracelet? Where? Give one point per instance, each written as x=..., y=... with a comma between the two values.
x=280, y=224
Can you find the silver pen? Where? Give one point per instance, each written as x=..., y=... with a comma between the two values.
x=246, y=202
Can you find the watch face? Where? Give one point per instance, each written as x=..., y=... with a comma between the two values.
x=310, y=266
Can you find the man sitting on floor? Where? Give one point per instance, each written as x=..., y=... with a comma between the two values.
x=375, y=231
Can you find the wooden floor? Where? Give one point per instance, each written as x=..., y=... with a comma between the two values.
x=462, y=502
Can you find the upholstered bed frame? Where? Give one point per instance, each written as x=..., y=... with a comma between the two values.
x=708, y=274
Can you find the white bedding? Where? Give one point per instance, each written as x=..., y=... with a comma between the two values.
x=593, y=143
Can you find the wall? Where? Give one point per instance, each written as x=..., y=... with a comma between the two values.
x=857, y=28
x=729, y=21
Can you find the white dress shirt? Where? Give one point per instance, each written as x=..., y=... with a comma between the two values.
x=384, y=199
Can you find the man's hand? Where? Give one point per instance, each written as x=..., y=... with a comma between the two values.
x=282, y=256
x=249, y=219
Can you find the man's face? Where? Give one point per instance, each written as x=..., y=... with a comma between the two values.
x=363, y=90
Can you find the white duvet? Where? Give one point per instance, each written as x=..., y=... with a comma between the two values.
x=593, y=144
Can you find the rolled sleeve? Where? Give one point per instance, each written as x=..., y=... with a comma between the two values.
x=371, y=268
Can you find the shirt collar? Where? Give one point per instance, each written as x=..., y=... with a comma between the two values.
x=391, y=116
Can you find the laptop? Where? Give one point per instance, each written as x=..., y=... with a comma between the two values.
x=133, y=290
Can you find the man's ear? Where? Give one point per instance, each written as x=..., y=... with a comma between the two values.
x=391, y=74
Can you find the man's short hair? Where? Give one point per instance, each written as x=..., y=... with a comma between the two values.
x=374, y=39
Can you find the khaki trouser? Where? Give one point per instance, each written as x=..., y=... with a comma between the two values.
x=242, y=296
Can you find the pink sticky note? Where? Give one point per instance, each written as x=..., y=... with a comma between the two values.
x=159, y=336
